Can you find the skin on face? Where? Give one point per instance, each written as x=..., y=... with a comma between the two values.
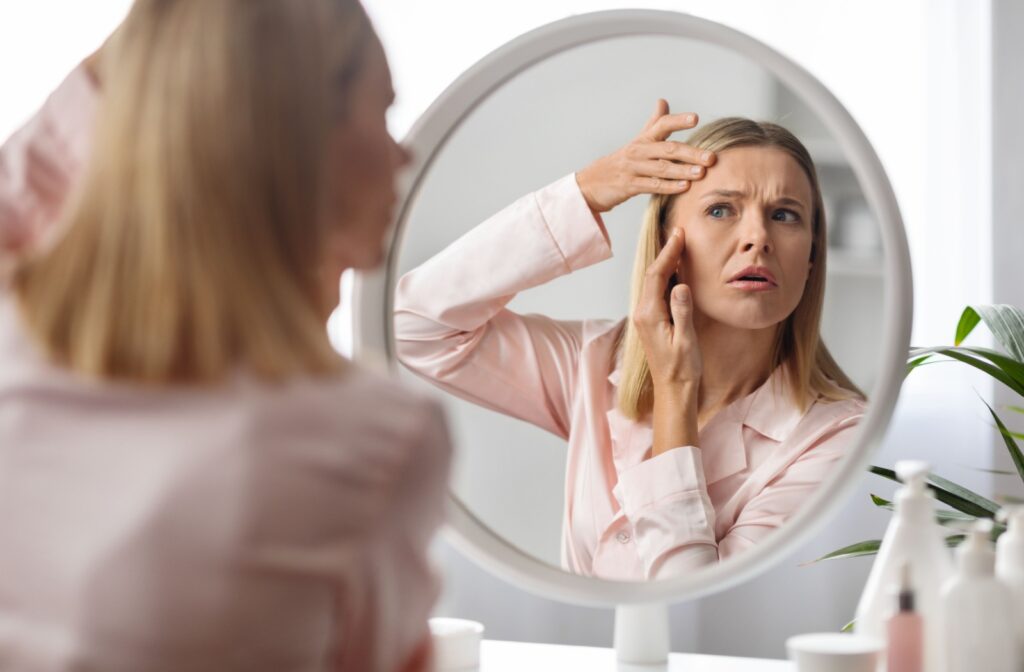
x=363, y=161
x=754, y=208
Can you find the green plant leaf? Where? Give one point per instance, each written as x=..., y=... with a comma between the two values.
x=1013, y=367
x=859, y=549
x=1000, y=472
x=916, y=362
x=1008, y=371
x=969, y=319
x=1011, y=445
x=942, y=516
x=849, y=626
x=881, y=503
x=1016, y=409
x=951, y=494
x=1007, y=324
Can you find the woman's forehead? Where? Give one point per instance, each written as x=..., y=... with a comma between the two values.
x=755, y=173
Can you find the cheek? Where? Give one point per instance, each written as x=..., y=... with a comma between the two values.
x=700, y=258
x=797, y=258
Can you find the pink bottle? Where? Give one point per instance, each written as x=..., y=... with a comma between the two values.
x=905, y=631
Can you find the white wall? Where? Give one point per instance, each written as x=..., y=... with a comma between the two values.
x=40, y=42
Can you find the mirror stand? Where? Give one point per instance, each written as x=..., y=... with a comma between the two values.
x=641, y=633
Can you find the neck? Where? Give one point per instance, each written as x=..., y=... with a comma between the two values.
x=735, y=363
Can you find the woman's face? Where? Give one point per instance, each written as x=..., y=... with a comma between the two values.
x=754, y=211
x=363, y=161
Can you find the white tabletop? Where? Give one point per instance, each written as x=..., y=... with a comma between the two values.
x=523, y=657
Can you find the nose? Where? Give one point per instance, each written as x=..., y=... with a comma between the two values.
x=755, y=234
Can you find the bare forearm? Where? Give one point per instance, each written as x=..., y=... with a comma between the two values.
x=675, y=418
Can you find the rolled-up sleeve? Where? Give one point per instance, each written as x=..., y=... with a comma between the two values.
x=41, y=164
x=451, y=322
x=665, y=499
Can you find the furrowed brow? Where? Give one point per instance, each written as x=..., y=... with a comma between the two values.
x=725, y=193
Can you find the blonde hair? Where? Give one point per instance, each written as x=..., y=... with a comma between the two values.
x=193, y=245
x=811, y=370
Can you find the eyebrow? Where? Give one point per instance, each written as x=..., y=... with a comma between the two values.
x=732, y=193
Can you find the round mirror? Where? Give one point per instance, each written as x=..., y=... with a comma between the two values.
x=513, y=293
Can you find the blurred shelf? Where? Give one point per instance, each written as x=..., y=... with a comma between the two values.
x=864, y=264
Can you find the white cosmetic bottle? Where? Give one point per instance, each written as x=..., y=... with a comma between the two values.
x=1010, y=567
x=913, y=538
x=979, y=633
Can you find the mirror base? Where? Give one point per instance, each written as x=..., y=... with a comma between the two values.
x=641, y=633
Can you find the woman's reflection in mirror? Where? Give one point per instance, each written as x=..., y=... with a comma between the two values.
x=704, y=420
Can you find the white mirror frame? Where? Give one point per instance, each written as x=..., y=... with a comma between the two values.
x=372, y=291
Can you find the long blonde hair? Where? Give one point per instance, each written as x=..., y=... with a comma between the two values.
x=811, y=370
x=194, y=242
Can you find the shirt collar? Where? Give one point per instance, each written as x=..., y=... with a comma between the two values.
x=772, y=411
x=768, y=410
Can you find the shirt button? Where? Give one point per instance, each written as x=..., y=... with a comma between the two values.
x=623, y=537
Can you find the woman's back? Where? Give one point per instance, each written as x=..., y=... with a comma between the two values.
x=167, y=528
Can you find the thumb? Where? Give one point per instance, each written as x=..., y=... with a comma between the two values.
x=682, y=309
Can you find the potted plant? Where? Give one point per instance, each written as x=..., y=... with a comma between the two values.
x=1007, y=367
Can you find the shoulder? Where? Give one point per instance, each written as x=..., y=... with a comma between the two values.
x=845, y=412
x=602, y=333
x=830, y=424
x=368, y=417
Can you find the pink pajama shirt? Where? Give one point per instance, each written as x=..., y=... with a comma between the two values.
x=627, y=515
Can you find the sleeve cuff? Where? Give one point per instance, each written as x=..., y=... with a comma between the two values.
x=659, y=479
x=579, y=233
x=71, y=112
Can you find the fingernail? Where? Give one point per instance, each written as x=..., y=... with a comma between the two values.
x=690, y=119
x=696, y=170
x=706, y=156
x=684, y=184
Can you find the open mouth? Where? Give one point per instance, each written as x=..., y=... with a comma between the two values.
x=752, y=282
x=754, y=278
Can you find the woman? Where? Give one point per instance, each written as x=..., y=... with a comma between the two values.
x=700, y=425
x=190, y=477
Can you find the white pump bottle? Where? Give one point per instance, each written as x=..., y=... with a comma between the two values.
x=1010, y=567
x=916, y=539
x=976, y=606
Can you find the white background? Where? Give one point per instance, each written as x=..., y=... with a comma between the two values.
x=917, y=75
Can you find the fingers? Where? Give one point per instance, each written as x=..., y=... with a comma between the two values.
x=665, y=263
x=667, y=124
x=679, y=152
x=643, y=184
x=652, y=295
x=668, y=170
x=681, y=303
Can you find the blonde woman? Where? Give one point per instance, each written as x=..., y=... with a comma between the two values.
x=702, y=423
x=190, y=477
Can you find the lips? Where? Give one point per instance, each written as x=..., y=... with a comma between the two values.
x=755, y=274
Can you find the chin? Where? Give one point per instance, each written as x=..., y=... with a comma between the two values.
x=370, y=259
x=753, y=320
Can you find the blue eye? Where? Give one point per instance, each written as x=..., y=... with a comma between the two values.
x=718, y=211
x=785, y=216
